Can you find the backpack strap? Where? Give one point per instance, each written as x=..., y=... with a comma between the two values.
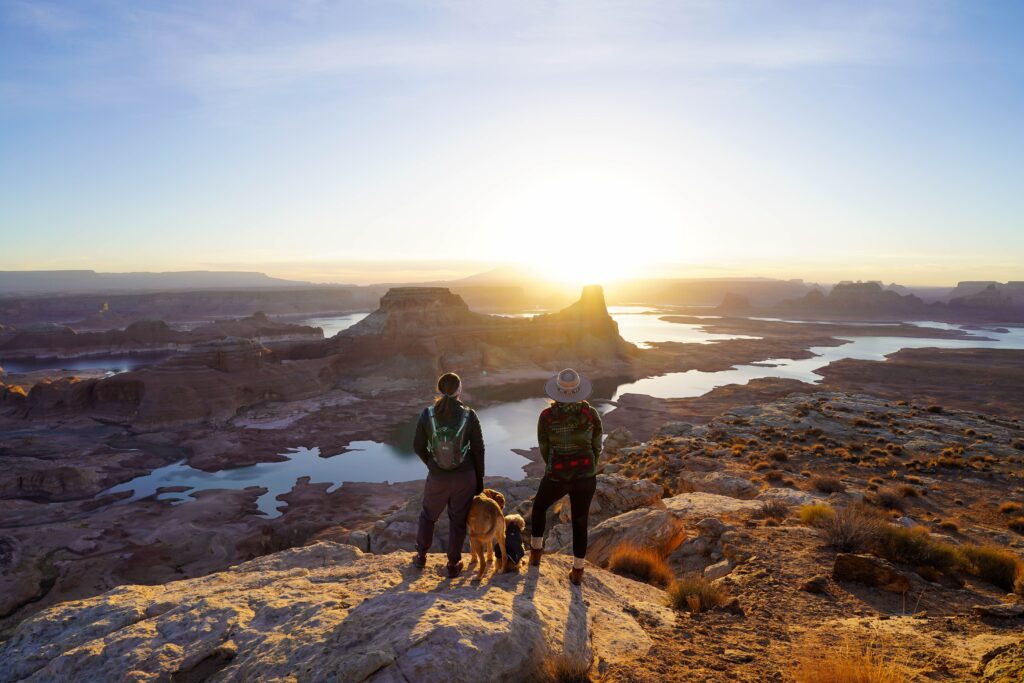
x=433, y=428
x=462, y=424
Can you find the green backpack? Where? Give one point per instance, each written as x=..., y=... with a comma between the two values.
x=446, y=445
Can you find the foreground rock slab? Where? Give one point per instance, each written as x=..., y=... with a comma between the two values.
x=327, y=612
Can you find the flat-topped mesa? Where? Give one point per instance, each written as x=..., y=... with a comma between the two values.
x=418, y=311
x=419, y=331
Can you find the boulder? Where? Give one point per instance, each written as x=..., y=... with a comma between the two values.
x=718, y=482
x=673, y=429
x=717, y=570
x=1004, y=664
x=869, y=571
x=618, y=438
x=1001, y=611
x=616, y=494
x=329, y=612
x=791, y=497
x=713, y=527
x=699, y=505
x=644, y=527
x=815, y=584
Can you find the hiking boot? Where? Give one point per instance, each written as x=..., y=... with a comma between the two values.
x=576, y=576
x=454, y=569
x=419, y=560
x=535, y=555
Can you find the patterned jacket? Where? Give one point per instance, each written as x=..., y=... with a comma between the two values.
x=569, y=435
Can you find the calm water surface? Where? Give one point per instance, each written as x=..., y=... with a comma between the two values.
x=510, y=423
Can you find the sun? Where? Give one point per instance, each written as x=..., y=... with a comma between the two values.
x=588, y=224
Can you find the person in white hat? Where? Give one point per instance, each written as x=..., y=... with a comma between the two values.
x=569, y=433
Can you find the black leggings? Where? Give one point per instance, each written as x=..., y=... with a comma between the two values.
x=581, y=492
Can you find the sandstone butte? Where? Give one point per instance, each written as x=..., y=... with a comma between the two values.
x=416, y=333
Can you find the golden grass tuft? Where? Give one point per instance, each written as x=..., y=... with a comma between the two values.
x=641, y=564
x=1011, y=508
x=827, y=484
x=816, y=514
x=694, y=593
x=564, y=667
x=850, y=661
x=997, y=566
x=1016, y=524
x=915, y=547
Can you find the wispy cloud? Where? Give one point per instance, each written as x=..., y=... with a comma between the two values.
x=210, y=51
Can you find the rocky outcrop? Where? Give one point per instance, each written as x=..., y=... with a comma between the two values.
x=719, y=483
x=642, y=528
x=419, y=332
x=100, y=309
x=208, y=382
x=60, y=341
x=855, y=298
x=1004, y=664
x=329, y=612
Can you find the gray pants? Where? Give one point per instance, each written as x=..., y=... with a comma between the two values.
x=454, y=490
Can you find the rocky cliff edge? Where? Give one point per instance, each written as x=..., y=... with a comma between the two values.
x=328, y=612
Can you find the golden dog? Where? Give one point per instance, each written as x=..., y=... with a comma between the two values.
x=486, y=525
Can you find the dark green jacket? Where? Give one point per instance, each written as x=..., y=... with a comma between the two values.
x=569, y=435
x=474, y=434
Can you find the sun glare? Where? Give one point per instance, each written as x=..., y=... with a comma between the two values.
x=585, y=224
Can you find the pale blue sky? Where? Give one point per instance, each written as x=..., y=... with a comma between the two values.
x=379, y=140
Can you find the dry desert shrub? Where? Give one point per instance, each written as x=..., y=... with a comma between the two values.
x=564, y=667
x=852, y=528
x=778, y=455
x=828, y=484
x=774, y=509
x=1011, y=508
x=997, y=566
x=949, y=525
x=641, y=564
x=694, y=593
x=850, y=661
x=1017, y=524
x=915, y=547
x=817, y=514
x=907, y=491
x=890, y=499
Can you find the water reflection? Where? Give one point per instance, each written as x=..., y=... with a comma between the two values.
x=510, y=418
x=112, y=364
x=697, y=383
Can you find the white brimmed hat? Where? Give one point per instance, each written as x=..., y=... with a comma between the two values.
x=568, y=386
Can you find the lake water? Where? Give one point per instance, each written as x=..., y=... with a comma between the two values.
x=111, y=364
x=510, y=421
x=333, y=324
